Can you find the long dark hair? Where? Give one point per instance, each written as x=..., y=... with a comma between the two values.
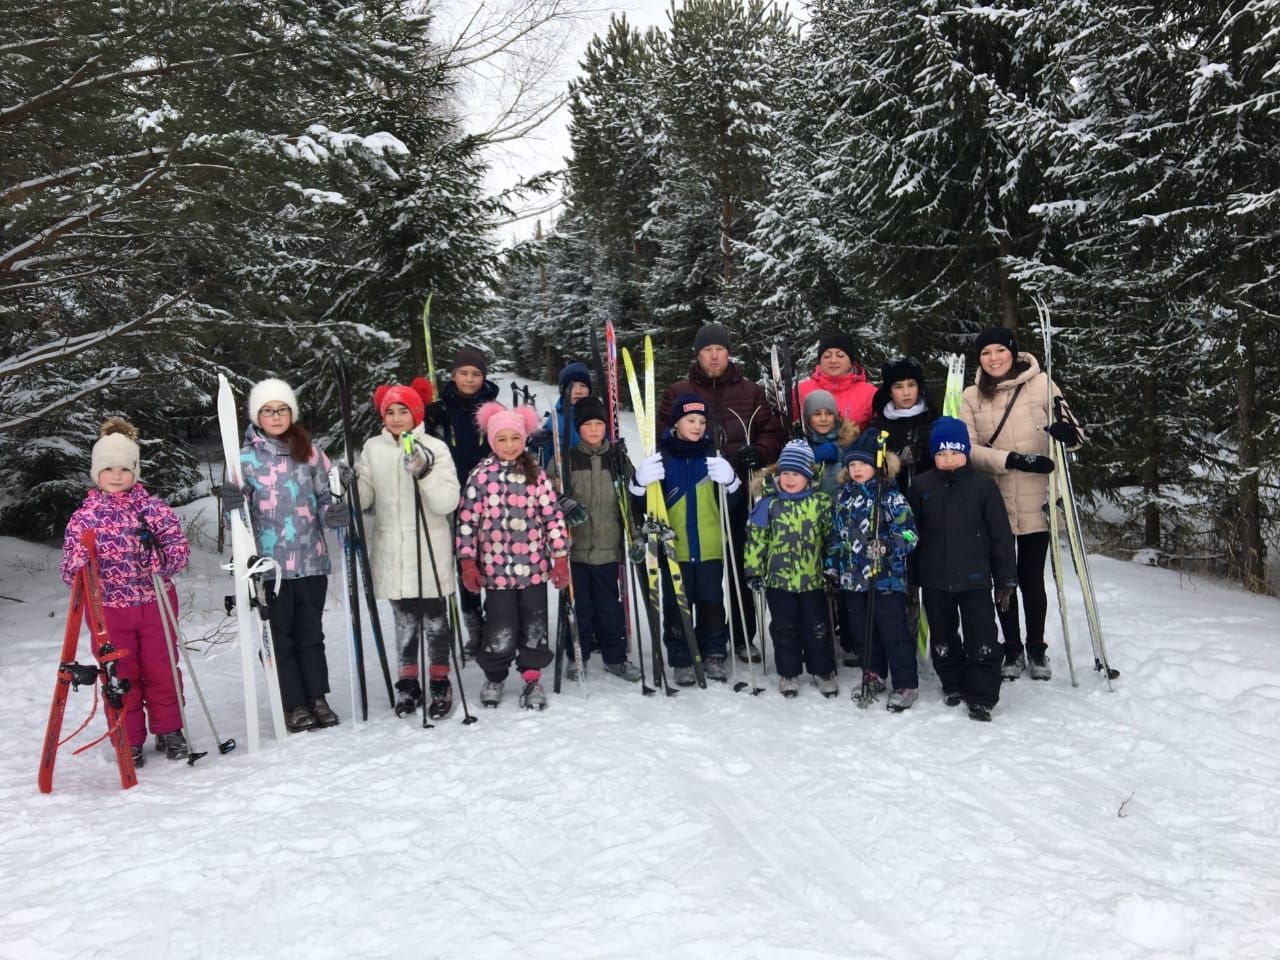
x=988, y=384
x=299, y=441
x=528, y=466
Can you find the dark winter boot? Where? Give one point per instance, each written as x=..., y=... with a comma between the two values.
x=953, y=699
x=491, y=693
x=299, y=719
x=139, y=756
x=747, y=650
x=715, y=668
x=1038, y=665
x=978, y=712
x=325, y=717
x=408, y=696
x=626, y=670
x=441, y=698
x=1012, y=669
x=172, y=745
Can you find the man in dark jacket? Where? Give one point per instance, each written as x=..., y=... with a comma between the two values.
x=965, y=544
x=452, y=419
x=748, y=433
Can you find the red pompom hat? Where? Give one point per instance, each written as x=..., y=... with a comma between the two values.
x=416, y=396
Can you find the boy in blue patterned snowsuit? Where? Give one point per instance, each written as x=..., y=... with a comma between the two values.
x=857, y=556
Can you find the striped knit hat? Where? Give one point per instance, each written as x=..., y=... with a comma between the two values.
x=797, y=457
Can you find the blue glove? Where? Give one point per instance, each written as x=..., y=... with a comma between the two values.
x=826, y=453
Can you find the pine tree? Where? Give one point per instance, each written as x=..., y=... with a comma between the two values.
x=172, y=180
x=716, y=82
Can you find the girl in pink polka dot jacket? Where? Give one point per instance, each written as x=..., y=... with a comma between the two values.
x=512, y=541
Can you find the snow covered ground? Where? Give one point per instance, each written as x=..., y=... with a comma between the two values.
x=1081, y=823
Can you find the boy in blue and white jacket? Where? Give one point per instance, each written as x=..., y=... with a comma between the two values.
x=864, y=549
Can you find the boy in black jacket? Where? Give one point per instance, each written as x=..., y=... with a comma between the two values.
x=965, y=544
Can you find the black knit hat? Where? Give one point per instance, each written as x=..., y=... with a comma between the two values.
x=840, y=341
x=471, y=357
x=589, y=408
x=686, y=404
x=711, y=334
x=1001, y=336
x=904, y=368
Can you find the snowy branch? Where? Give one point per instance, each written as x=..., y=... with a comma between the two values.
x=74, y=86
x=18, y=258
x=70, y=346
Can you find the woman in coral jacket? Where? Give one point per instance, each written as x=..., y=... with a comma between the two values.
x=1010, y=430
x=843, y=377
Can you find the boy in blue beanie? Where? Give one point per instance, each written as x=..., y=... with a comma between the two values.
x=787, y=532
x=965, y=544
x=873, y=533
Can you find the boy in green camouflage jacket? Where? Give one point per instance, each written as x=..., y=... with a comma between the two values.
x=787, y=535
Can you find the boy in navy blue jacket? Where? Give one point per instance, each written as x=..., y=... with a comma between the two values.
x=965, y=544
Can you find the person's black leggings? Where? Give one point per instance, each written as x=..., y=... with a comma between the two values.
x=1032, y=549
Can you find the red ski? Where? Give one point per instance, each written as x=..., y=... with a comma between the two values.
x=86, y=606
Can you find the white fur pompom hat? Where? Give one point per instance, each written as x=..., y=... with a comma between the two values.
x=271, y=391
x=117, y=446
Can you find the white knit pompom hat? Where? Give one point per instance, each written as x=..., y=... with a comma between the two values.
x=116, y=447
x=271, y=391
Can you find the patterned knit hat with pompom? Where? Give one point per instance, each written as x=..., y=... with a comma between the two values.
x=117, y=446
x=493, y=418
x=797, y=457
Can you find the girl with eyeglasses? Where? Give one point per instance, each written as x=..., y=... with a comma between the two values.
x=286, y=488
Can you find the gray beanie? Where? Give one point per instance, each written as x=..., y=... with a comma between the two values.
x=819, y=400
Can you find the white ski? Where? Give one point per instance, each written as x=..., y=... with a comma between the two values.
x=247, y=571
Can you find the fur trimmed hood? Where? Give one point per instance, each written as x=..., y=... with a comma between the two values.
x=892, y=467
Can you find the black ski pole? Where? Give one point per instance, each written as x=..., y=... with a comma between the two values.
x=422, y=628
x=867, y=695
x=455, y=640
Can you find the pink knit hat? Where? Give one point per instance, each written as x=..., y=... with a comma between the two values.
x=493, y=417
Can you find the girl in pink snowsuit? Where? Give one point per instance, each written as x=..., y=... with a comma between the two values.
x=511, y=542
x=137, y=535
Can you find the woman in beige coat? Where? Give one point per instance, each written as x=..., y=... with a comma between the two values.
x=387, y=477
x=1010, y=430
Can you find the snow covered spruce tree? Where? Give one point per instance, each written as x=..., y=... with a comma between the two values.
x=167, y=172
x=1164, y=271
x=717, y=77
x=1230, y=52
x=893, y=183
x=611, y=174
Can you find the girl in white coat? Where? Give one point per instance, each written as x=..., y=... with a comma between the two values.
x=387, y=476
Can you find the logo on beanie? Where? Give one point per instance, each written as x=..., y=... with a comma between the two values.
x=954, y=446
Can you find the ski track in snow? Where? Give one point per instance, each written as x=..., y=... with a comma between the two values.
x=1139, y=823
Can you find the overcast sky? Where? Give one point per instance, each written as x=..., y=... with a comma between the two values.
x=549, y=146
